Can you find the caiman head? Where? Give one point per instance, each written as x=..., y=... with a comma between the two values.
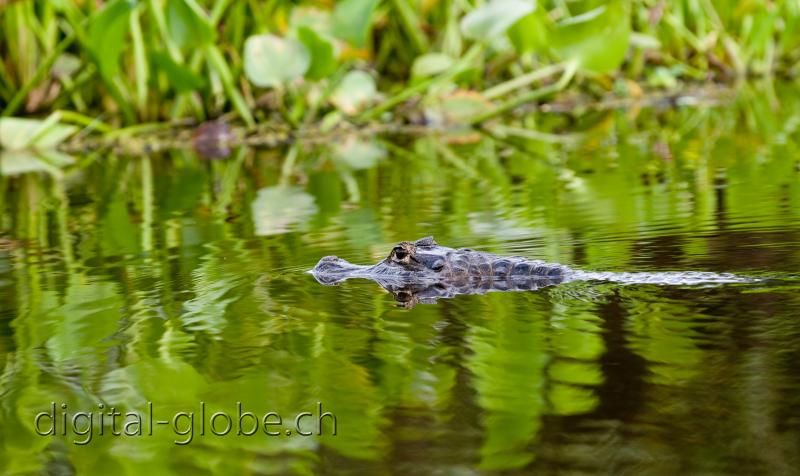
x=420, y=261
x=423, y=272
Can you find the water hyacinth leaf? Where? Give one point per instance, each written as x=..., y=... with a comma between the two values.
x=494, y=18
x=356, y=90
x=314, y=18
x=357, y=154
x=19, y=133
x=323, y=61
x=597, y=40
x=530, y=32
x=188, y=25
x=106, y=35
x=180, y=77
x=431, y=64
x=352, y=20
x=269, y=61
x=280, y=209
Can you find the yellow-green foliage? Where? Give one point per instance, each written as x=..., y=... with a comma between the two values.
x=154, y=60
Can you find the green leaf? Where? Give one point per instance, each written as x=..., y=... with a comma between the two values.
x=431, y=64
x=188, y=25
x=106, y=35
x=323, y=61
x=493, y=19
x=314, y=18
x=352, y=20
x=18, y=133
x=180, y=77
x=597, y=40
x=356, y=90
x=270, y=61
x=530, y=33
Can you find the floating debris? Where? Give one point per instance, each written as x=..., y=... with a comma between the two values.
x=212, y=139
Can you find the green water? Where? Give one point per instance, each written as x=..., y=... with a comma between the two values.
x=152, y=284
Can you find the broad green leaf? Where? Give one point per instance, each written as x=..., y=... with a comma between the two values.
x=356, y=90
x=431, y=64
x=106, y=35
x=270, y=61
x=314, y=18
x=597, y=40
x=530, y=33
x=494, y=18
x=180, y=77
x=352, y=20
x=188, y=25
x=279, y=209
x=356, y=153
x=19, y=133
x=323, y=62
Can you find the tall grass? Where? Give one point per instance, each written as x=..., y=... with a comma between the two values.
x=127, y=62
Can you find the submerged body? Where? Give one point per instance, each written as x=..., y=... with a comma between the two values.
x=423, y=271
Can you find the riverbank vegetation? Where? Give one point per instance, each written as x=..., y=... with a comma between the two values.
x=120, y=63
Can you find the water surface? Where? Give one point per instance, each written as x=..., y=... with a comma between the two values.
x=166, y=281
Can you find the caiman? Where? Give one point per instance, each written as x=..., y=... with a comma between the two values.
x=423, y=272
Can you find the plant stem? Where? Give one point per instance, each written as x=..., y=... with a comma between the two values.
x=412, y=25
x=569, y=71
x=39, y=75
x=521, y=81
x=140, y=64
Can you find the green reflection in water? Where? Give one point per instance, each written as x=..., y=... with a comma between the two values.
x=175, y=281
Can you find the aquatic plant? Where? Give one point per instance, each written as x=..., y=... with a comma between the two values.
x=127, y=62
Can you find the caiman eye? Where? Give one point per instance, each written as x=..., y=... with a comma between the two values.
x=400, y=253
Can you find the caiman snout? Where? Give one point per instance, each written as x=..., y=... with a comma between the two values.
x=332, y=269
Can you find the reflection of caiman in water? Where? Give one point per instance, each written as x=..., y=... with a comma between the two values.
x=423, y=271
